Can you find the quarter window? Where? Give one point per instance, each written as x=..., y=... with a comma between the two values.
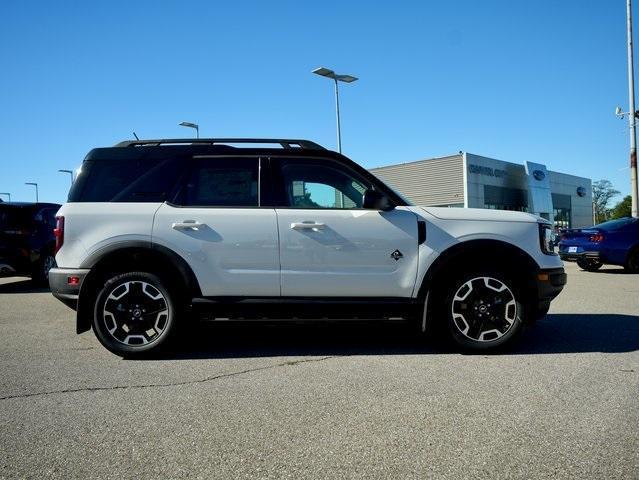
x=142, y=180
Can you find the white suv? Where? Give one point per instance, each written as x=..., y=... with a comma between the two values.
x=159, y=232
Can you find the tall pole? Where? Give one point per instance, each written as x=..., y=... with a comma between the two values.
x=36, y=187
x=339, y=130
x=70, y=172
x=632, y=119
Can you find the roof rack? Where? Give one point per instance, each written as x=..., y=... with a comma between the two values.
x=284, y=143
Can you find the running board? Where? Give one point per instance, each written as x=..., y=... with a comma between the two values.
x=297, y=308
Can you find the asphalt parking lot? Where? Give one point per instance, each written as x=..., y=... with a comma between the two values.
x=326, y=401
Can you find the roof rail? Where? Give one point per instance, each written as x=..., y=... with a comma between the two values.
x=283, y=142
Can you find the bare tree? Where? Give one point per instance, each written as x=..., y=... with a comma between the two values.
x=602, y=193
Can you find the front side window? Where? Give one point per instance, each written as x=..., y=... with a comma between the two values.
x=223, y=182
x=310, y=184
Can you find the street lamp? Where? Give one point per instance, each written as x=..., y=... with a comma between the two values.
x=328, y=73
x=70, y=172
x=36, y=187
x=632, y=114
x=191, y=125
x=7, y=194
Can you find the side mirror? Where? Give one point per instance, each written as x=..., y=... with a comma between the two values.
x=375, y=200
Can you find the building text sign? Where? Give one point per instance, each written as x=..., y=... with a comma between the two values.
x=488, y=171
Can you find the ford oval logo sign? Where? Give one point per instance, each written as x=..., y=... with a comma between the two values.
x=581, y=191
x=539, y=175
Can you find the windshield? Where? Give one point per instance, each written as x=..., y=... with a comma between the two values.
x=615, y=224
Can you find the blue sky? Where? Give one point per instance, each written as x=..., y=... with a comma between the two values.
x=514, y=80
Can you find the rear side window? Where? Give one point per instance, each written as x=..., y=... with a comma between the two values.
x=11, y=216
x=137, y=180
x=222, y=182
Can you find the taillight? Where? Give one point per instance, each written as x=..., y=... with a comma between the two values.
x=597, y=237
x=58, y=233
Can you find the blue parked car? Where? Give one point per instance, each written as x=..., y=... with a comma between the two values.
x=615, y=242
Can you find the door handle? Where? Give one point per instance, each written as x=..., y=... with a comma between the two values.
x=316, y=227
x=187, y=225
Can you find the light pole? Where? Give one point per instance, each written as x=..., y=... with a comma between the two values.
x=7, y=194
x=70, y=172
x=634, y=192
x=328, y=73
x=36, y=187
x=192, y=125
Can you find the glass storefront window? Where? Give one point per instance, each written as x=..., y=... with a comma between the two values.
x=562, y=218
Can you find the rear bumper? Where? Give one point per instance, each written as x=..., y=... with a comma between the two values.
x=550, y=283
x=60, y=287
x=573, y=257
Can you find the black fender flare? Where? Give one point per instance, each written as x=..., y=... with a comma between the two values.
x=176, y=263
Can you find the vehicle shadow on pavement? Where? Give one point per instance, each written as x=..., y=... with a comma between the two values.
x=22, y=286
x=557, y=333
x=614, y=271
x=581, y=333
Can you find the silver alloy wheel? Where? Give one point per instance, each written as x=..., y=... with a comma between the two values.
x=136, y=313
x=48, y=264
x=484, y=309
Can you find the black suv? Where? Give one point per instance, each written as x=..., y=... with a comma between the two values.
x=27, y=242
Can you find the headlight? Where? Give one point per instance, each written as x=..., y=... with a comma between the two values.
x=546, y=239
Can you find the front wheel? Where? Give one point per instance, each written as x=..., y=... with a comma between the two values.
x=589, y=264
x=484, y=311
x=134, y=314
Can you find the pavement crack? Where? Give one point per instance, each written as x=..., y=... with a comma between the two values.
x=169, y=384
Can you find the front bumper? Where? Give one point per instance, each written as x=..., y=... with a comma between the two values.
x=573, y=257
x=61, y=288
x=550, y=283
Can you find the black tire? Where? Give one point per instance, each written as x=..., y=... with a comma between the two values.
x=632, y=262
x=121, y=321
x=589, y=264
x=40, y=273
x=484, y=310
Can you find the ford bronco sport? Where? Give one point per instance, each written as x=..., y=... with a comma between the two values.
x=156, y=233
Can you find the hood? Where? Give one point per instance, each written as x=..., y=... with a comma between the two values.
x=482, y=214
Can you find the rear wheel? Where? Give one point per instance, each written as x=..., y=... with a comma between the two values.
x=40, y=274
x=135, y=314
x=632, y=262
x=484, y=310
x=589, y=264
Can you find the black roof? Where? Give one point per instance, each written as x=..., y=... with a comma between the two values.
x=160, y=148
x=30, y=204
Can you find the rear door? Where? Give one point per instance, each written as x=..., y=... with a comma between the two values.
x=217, y=225
x=332, y=247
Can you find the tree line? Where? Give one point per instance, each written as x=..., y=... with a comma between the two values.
x=602, y=193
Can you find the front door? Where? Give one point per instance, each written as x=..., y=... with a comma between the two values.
x=217, y=225
x=332, y=247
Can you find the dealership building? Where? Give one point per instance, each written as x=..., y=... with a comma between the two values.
x=472, y=181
